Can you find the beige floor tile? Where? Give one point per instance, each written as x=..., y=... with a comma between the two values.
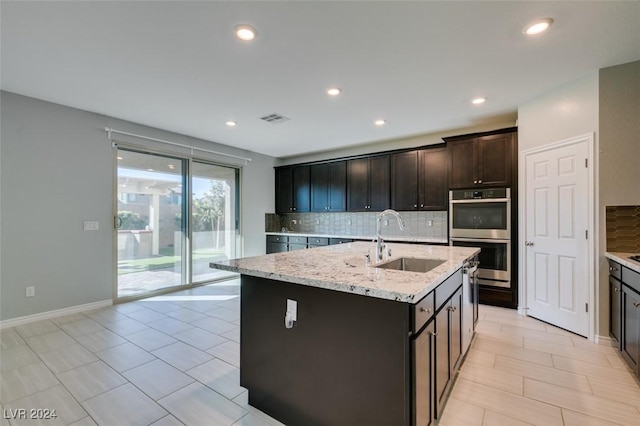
x=220, y=376
x=243, y=401
x=604, y=409
x=616, y=391
x=228, y=351
x=100, y=340
x=87, y=421
x=568, y=351
x=49, y=341
x=167, y=421
x=507, y=404
x=107, y=408
x=495, y=419
x=125, y=327
x=510, y=339
x=67, y=358
x=511, y=351
x=200, y=339
x=571, y=418
x=542, y=373
x=251, y=420
x=24, y=381
x=589, y=369
x=488, y=326
x=476, y=356
x=16, y=357
x=36, y=328
x=125, y=357
x=59, y=408
x=559, y=331
x=150, y=339
x=157, y=379
x=537, y=334
x=105, y=315
x=506, y=381
x=182, y=356
x=66, y=319
x=518, y=320
x=90, y=380
x=9, y=338
x=617, y=361
x=582, y=343
x=460, y=413
x=80, y=327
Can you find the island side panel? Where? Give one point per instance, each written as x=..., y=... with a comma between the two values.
x=346, y=360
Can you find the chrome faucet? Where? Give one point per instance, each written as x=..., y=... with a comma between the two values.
x=379, y=242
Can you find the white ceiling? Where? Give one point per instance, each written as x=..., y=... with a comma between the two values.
x=177, y=65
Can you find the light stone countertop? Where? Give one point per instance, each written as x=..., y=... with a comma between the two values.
x=396, y=238
x=343, y=268
x=623, y=259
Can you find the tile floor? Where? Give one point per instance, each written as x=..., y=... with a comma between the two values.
x=521, y=371
x=174, y=359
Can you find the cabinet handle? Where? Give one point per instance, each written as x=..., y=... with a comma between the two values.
x=612, y=269
x=475, y=181
x=421, y=205
x=425, y=310
x=415, y=206
x=452, y=308
x=480, y=181
x=636, y=304
x=616, y=289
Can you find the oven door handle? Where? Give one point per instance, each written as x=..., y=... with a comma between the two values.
x=481, y=200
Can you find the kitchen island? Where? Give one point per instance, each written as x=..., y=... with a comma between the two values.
x=329, y=338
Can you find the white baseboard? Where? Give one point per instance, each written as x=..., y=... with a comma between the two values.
x=605, y=341
x=54, y=314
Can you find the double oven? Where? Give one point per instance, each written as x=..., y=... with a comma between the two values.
x=482, y=218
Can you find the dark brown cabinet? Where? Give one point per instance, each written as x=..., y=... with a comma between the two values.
x=293, y=189
x=481, y=161
x=630, y=342
x=423, y=356
x=615, y=302
x=419, y=180
x=329, y=187
x=368, y=184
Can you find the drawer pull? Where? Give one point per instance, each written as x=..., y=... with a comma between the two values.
x=636, y=304
x=612, y=269
x=425, y=310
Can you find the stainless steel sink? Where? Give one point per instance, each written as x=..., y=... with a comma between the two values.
x=411, y=264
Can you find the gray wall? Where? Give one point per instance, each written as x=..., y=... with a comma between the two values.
x=619, y=154
x=57, y=170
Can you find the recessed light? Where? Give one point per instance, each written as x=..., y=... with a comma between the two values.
x=334, y=91
x=245, y=32
x=380, y=122
x=478, y=101
x=538, y=26
x=231, y=123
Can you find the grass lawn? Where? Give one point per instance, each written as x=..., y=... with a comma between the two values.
x=166, y=259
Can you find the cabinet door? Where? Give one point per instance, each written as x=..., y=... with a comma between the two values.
x=301, y=190
x=358, y=185
x=423, y=374
x=273, y=247
x=494, y=160
x=337, y=191
x=379, y=185
x=284, y=190
x=404, y=181
x=442, y=355
x=320, y=180
x=455, y=330
x=615, y=298
x=631, y=325
x=433, y=179
x=461, y=163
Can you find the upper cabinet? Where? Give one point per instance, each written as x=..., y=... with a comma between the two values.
x=419, y=180
x=481, y=161
x=329, y=187
x=368, y=184
x=293, y=192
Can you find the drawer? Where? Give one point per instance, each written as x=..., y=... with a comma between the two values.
x=277, y=238
x=298, y=240
x=423, y=311
x=333, y=241
x=317, y=241
x=445, y=290
x=293, y=247
x=631, y=278
x=615, y=270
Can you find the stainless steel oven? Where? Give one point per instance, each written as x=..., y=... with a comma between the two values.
x=480, y=213
x=495, y=259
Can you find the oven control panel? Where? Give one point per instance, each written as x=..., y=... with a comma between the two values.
x=470, y=194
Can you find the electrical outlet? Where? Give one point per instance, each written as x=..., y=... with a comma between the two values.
x=429, y=223
x=386, y=222
x=349, y=222
x=30, y=291
x=90, y=225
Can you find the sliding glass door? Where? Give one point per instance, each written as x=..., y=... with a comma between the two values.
x=214, y=218
x=174, y=216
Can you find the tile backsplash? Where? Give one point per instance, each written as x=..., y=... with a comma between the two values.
x=623, y=229
x=431, y=224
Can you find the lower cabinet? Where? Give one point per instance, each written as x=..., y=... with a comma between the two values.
x=448, y=344
x=423, y=347
x=624, y=312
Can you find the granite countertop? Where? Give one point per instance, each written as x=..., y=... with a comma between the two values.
x=396, y=238
x=623, y=259
x=343, y=268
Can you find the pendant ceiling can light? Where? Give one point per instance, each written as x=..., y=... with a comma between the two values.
x=538, y=26
x=245, y=32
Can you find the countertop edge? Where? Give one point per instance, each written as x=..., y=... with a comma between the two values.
x=391, y=238
x=623, y=259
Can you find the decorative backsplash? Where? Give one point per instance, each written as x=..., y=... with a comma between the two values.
x=623, y=229
x=417, y=224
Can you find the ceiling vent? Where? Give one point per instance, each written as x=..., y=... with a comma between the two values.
x=274, y=118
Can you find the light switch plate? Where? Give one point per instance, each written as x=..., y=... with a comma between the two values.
x=90, y=225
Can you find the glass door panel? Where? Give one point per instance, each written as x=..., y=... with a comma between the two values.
x=151, y=223
x=214, y=218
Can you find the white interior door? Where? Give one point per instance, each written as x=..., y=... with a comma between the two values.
x=557, y=261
